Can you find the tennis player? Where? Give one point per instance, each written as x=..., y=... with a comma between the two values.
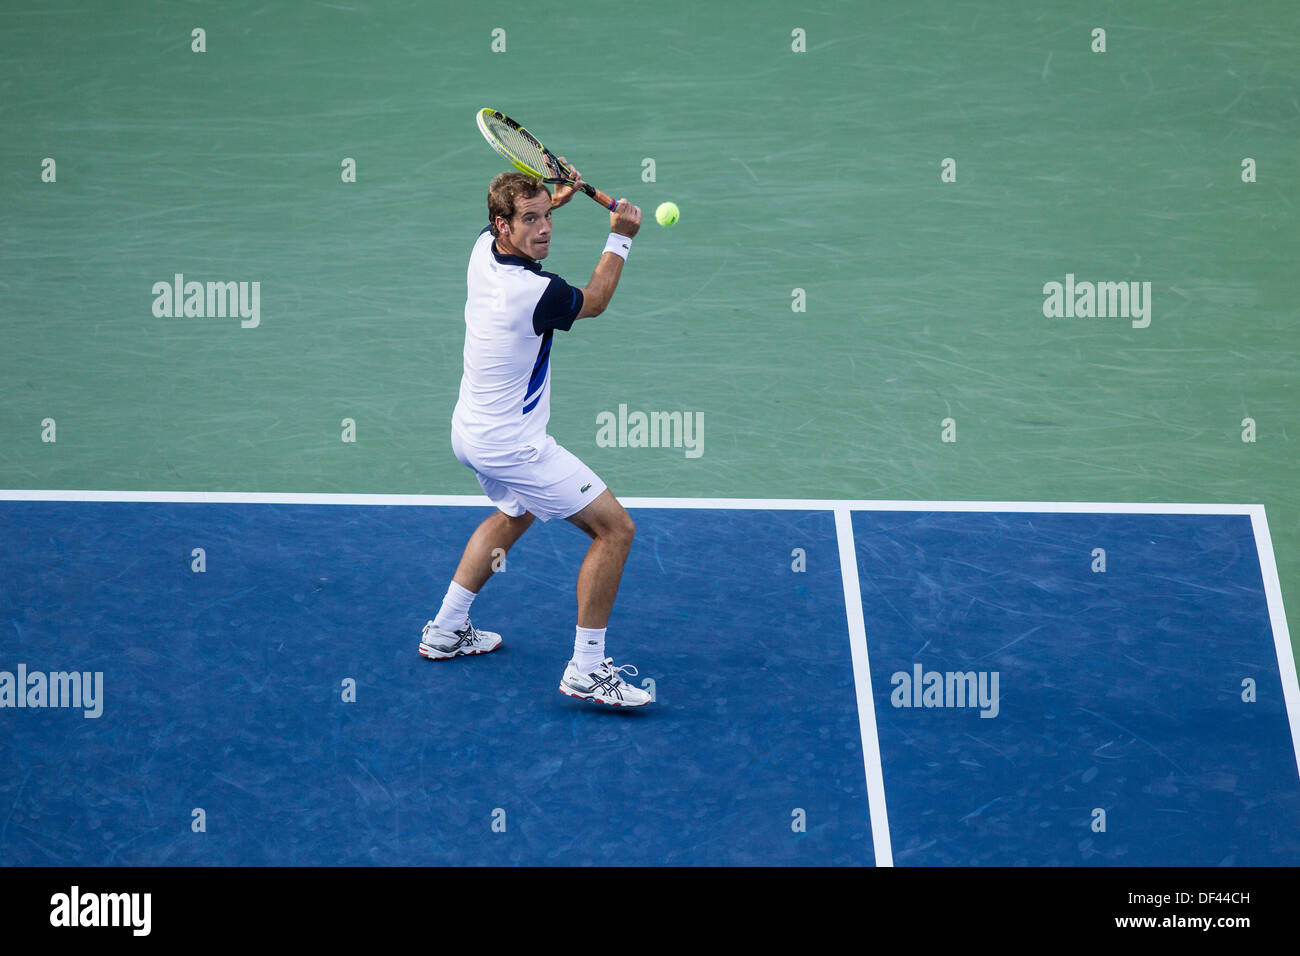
x=498, y=429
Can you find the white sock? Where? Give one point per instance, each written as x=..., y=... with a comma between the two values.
x=589, y=648
x=455, y=608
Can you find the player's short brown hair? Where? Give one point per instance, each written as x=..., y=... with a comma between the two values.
x=506, y=190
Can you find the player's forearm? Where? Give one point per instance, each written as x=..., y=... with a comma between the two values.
x=600, y=290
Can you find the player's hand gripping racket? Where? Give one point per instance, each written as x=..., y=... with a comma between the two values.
x=522, y=150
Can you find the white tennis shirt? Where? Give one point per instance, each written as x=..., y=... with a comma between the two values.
x=511, y=309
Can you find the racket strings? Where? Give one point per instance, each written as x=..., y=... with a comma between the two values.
x=522, y=145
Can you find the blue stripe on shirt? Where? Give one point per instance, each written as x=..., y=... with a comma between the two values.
x=539, y=372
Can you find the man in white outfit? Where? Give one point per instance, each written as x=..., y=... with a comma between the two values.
x=498, y=429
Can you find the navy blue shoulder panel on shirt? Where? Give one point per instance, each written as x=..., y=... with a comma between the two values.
x=558, y=307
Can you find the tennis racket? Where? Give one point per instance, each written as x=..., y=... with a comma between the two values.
x=522, y=150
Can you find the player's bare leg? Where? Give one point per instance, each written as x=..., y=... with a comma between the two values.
x=499, y=531
x=591, y=675
x=451, y=634
x=611, y=530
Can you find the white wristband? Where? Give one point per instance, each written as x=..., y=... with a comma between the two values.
x=619, y=245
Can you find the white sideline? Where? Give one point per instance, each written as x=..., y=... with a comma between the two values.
x=862, y=682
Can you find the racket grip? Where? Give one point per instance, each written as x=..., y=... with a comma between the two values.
x=599, y=196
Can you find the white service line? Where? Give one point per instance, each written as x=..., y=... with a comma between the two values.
x=752, y=504
x=862, y=681
x=1029, y=507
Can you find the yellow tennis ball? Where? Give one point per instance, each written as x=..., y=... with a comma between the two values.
x=667, y=213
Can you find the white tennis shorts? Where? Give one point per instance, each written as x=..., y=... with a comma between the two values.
x=543, y=478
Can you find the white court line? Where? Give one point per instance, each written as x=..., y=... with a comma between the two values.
x=754, y=504
x=862, y=681
x=1281, y=635
x=866, y=504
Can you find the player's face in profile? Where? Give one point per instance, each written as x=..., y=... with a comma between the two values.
x=530, y=227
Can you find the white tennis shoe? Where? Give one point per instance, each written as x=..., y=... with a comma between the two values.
x=439, y=645
x=605, y=684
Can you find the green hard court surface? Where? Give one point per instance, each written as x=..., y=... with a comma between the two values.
x=816, y=170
